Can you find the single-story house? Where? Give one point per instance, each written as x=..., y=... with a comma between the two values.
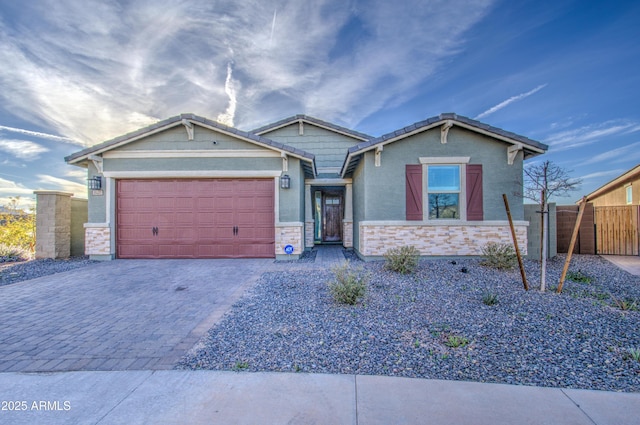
x=616, y=207
x=190, y=187
x=622, y=190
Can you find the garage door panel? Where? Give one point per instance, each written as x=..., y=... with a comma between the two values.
x=195, y=218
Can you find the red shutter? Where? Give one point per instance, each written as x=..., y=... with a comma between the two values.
x=414, y=191
x=474, y=192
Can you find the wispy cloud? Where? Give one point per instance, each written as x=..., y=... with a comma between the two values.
x=589, y=134
x=36, y=134
x=228, y=116
x=13, y=188
x=624, y=153
x=62, y=184
x=22, y=149
x=599, y=174
x=509, y=101
x=97, y=70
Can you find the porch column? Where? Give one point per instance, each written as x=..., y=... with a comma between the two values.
x=347, y=223
x=309, y=224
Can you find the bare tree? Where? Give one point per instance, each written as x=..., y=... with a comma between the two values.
x=541, y=183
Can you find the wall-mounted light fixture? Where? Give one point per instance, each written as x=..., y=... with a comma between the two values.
x=285, y=182
x=94, y=183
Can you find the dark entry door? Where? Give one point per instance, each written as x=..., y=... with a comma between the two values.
x=332, y=218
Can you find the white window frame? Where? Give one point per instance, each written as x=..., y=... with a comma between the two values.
x=629, y=194
x=460, y=161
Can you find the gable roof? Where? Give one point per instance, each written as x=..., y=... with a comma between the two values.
x=632, y=174
x=308, y=159
x=314, y=121
x=530, y=147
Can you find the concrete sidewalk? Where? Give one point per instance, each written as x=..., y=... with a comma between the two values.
x=206, y=397
x=628, y=263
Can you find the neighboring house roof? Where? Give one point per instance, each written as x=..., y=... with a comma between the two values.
x=632, y=174
x=530, y=147
x=308, y=159
x=310, y=120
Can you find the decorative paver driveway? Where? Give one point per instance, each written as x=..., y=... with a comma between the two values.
x=117, y=315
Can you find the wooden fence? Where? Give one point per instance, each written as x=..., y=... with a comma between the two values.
x=617, y=230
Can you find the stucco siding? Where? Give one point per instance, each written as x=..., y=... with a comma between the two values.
x=618, y=196
x=97, y=204
x=328, y=147
x=176, y=139
x=291, y=201
x=385, y=184
x=359, y=201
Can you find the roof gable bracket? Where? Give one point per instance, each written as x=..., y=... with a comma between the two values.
x=378, y=155
x=188, y=125
x=444, y=131
x=300, y=128
x=512, y=152
x=285, y=161
x=97, y=162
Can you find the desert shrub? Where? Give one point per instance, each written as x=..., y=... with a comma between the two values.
x=18, y=231
x=490, y=298
x=578, y=277
x=626, y=304
x=403, y=259
x=13, y=253
x=499, y=256
x=349, y=284
x=456, y=341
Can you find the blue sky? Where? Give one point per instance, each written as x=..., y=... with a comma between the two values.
x=75, y=73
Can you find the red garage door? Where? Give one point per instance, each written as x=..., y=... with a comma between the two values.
x=195, y=218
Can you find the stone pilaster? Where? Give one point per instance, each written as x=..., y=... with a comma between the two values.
x=53, y=224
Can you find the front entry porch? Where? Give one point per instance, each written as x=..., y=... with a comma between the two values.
x=328, y=212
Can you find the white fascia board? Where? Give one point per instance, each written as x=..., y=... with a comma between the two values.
x=195, y=153
x=168, y=174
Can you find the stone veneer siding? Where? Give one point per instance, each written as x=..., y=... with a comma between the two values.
x=97, y=240
x=438, y=240
x=289, y=234
x=309, y=233
x=347, y=234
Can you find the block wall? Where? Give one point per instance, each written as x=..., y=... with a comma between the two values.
x=53, y=224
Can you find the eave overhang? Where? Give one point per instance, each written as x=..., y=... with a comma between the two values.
x=530, y=147
x=188, y=120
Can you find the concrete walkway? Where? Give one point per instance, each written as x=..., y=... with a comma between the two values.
x=628, y=263
x=208, y=397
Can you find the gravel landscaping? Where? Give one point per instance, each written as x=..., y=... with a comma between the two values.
x=14, y=272
x=434, y=324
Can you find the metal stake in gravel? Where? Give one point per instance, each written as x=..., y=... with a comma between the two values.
x=515, y=243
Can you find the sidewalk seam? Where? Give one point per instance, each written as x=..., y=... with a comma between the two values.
x=578, y=406
x=355, y=385
x=126, y=396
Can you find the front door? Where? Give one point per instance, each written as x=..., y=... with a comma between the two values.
x=332, y=217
